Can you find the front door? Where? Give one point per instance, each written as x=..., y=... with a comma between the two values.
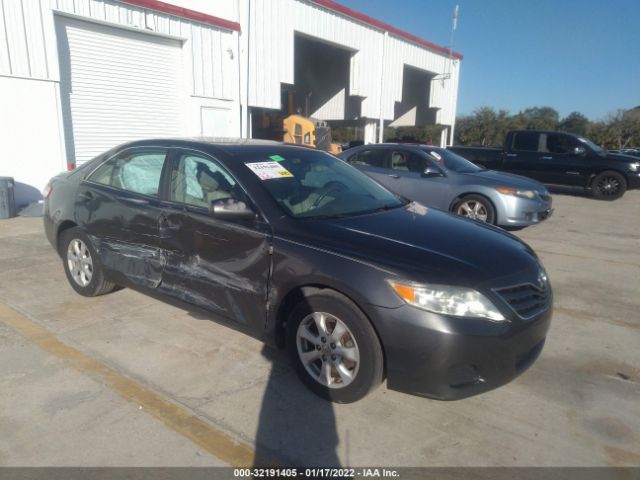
x=119, y=206
x=221, y=266
x=566, y=165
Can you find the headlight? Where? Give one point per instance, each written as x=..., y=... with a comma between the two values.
x=516, y=192
x=458, y=301
x=634, y=166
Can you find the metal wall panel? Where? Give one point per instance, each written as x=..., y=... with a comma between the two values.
x=273, y=24
x=27, y=41
x=121, y=84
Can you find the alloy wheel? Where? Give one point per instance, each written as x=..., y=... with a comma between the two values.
x=328, y=350
x=79, y=262
x=608, y=186
x=473, y=209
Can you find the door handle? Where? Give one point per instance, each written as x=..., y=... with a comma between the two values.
x=86, y=195
x=137, y=201
x=164, y=225
x=393, y=175
x=546, y=158
x=512, y=154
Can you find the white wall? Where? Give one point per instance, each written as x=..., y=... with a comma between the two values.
x=29, y=71
x=30, y=135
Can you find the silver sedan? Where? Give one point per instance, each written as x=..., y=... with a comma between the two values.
x=439, y=178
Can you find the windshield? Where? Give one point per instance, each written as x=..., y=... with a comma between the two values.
x=452, y=161
x=313, y=184
x=596, y=148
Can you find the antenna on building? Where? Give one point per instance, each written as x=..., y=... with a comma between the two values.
x=449, y=62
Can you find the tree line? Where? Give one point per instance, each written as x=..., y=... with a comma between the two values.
x=487, y=126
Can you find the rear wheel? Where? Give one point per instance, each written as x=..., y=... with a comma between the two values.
x=81, y=264
x=608, y=186
x=475, y=207
x=334, y=348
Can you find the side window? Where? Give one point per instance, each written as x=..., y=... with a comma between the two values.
x=562, y=144
x=198, y=181
x=372, y=158
x=137, y=171
x=526, y=141
x=399, y=161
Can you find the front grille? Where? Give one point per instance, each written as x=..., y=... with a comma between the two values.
x=526, y=300
x=544, y=196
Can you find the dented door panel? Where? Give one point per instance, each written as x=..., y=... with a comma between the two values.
x=124, y=229
x=217, y=265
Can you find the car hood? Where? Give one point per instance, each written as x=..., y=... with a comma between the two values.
x=621, y=157
x=425, y=244
x=492, y=177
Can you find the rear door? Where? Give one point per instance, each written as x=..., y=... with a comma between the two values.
x=119, y=206
x=218, y=265
x=526, y=155
x=372, y=162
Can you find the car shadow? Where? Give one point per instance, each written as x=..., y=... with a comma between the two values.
x=295, y=427
x=572, y=191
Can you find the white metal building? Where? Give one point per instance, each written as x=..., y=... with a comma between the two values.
x=80, y=76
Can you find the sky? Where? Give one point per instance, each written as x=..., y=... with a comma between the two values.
x=572, y=55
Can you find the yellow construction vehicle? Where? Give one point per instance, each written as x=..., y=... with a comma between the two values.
x=308, y=131
x=294, y=128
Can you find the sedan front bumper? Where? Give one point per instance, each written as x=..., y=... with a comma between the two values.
x=521, y=212
x=449, y=358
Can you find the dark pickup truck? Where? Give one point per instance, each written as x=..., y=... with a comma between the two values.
x=561, y=159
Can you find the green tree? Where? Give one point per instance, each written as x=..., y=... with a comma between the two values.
x=541, y=118
x=576, y=123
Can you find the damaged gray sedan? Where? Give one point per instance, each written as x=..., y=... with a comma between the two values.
x=300, y=250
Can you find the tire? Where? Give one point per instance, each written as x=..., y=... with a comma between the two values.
x=84, y=271
x=340, y=378
x=475, y=207
x=608, y=185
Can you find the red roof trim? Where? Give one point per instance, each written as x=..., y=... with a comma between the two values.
x=185, y=13
x=338, y=7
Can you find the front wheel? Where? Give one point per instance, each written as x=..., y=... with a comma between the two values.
x=334, y=348
x=475, y=207
x=608, y=186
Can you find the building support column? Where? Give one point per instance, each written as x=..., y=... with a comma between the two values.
x=370, y=131
x=383, y=74
x=444, y=136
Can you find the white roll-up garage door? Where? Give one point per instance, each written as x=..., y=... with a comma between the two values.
x=118, y=85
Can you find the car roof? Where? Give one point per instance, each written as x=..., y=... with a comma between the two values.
x=230, y=145
x=418, y=146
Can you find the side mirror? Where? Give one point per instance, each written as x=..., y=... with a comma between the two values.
x=231, y=209
x=432, y=172
x=579, y=151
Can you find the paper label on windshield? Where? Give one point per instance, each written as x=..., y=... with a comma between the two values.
x=269, y=170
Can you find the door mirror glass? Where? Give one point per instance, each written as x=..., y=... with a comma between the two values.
x=579, y=151
x=231, y=209
x=431, y=171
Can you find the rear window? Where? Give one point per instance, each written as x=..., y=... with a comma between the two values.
x=371, y=158
x=526, y=141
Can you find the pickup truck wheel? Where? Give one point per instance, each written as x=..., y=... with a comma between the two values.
x=82, y=265
x=334, y=348
x=608, y=186
x=475, y=207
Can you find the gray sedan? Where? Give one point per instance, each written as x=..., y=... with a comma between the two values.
x=439, y=178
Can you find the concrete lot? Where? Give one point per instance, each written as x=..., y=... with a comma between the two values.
x=126, y=380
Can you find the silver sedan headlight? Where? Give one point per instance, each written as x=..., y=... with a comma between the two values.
x=530, y=194
x=447, y=300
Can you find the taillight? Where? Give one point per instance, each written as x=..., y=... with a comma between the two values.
x=47, y=191
x=70, y=166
